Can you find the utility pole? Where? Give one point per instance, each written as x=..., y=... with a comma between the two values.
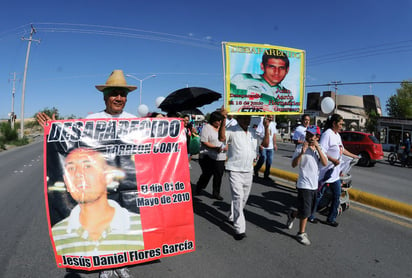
x=336, y=94
x=12, y=114
x=32, y=32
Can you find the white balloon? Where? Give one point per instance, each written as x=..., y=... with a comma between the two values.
x=159, y=100
x=143, y=110
x=327, y=105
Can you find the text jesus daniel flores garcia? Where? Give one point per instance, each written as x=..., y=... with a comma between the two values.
x=125, y=257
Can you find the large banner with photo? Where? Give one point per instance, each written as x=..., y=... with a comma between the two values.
x=263, y=79
x=117, y=191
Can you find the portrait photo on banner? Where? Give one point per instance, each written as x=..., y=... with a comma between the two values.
x=117, y=191
x=263, y=79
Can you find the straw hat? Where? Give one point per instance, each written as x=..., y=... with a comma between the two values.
x=116, y=79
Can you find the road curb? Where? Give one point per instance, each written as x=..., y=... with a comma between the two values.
x=381, y=202
x=366, y=198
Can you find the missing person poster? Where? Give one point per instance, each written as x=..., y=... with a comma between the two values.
x=263, y=79
x=117, y=191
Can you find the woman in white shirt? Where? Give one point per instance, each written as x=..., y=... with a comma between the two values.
x=212, y=156
x=331, y=144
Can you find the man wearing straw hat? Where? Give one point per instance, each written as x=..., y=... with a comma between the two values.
x=115, y=92
x=114, y=95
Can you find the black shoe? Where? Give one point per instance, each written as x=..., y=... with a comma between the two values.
x=333, y=223
x=313, y=220
x=217, y=197
x=239, y=236
x=267, y=179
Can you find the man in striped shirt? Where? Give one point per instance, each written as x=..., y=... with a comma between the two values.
x=250, y=92
x=96, y=225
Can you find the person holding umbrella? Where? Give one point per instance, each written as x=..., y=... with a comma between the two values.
x=243, y=142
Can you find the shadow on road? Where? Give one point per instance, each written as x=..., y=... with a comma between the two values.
x=275, y=202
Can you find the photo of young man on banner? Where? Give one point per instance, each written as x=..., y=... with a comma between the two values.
x=117, y=191
x=263, y=79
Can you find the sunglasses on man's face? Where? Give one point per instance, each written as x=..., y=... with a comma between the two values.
x=116, y=92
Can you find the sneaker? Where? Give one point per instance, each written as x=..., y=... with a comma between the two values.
x=289, y=223
x=303, y=238
x=123, y=272
x=332, y=223
x=313, y=220
x=239, y=236
x=107, y=274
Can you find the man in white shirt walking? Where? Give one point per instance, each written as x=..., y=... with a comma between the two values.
x=242, y=141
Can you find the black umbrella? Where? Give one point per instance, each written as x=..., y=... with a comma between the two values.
x=188, y=98
x=194, y=111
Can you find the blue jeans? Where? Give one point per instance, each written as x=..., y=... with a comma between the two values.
x=319, y=197
x=326, y=195
x=265, y=155
x=336, y=190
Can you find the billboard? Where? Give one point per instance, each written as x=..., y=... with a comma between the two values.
x=117, y=191
x=263, y=79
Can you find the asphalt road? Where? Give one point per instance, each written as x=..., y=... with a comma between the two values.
x=383, y=179
x=367, y=243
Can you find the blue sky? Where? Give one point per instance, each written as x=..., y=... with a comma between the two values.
x=180, y=42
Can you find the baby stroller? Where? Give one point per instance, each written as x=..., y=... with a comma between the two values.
x=325, y=193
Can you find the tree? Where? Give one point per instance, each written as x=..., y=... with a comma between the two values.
x=372, y=122
x=400, y=105
x=49, y=112
x=71, y=117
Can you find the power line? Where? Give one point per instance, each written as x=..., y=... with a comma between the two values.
x=127, y=32
x=360, y=55
x=358, y=83
x=123, y=28
x=130, y=33
x=360, y=49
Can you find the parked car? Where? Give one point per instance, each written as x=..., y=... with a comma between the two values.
x=364, y=144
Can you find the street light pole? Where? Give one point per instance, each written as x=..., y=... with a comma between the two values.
x=141, y=83
x=32, y=32
x=336, y=94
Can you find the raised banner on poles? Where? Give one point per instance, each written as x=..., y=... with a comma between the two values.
x=263, y=79
x=117, y=191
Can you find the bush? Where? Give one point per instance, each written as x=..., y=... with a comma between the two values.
x=10, y=136
x=2, y=144
x=31, y=124
x=7, y=133
x=20, y=142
